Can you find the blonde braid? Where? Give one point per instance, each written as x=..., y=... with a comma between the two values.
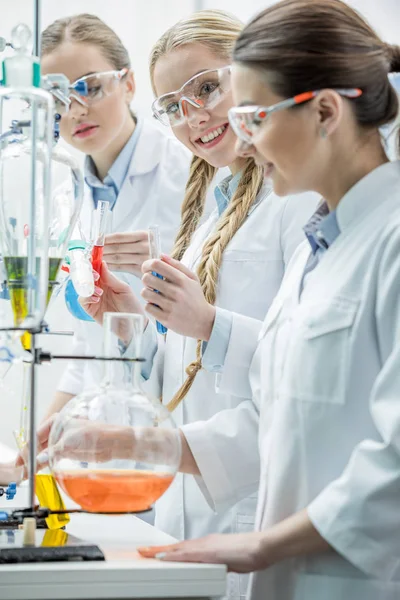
x=200, y=177
x=230, y=222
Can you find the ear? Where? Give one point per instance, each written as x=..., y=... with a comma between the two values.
x=130, y=86
x=329, y=107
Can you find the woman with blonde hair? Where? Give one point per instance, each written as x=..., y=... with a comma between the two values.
x=239, y=256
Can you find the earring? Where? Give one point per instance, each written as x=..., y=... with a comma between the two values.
x=323, y=133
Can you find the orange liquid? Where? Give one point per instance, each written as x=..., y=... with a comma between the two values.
x=114, y=490
x=97, y=257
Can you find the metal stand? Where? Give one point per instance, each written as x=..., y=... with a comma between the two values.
x=51, y=545
x=13, y=546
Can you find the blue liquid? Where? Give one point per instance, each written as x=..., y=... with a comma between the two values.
x=71, y=300
x=160, y=328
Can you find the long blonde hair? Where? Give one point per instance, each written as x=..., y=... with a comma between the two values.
x=217, y=31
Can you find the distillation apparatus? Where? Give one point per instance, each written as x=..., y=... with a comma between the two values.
x=143, y=448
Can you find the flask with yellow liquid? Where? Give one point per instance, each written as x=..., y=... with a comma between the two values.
x=49, y=497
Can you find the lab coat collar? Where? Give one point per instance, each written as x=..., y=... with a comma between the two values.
x=366, y=194
x=148, y=150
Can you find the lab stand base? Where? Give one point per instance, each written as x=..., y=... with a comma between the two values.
x=50, y=546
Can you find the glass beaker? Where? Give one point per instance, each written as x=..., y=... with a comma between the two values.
x=113, y=449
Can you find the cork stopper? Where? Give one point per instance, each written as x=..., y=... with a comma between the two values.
x=29, y=528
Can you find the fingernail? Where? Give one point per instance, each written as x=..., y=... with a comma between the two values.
x=96, y=276
x=95, y=299
x=98, y=290
x=160, y=555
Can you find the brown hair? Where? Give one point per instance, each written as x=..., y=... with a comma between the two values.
x=217, y=31
x=303, y=45
x=86, y=29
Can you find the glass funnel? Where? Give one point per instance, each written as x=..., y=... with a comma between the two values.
x=31, y=232
x=41, y=187
x=112, y=449
x=25, y=155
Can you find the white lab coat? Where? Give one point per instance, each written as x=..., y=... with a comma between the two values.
x=326, y=376
x=152, y=193
x=251, y=273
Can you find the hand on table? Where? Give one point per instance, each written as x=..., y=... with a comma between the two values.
x=240, y=552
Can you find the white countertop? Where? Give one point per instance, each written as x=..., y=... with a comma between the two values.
x=124, y=574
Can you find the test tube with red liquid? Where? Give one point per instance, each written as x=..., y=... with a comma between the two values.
x=98, y=233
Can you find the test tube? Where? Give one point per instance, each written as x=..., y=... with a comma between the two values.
x=98, y=232
x=155, y=252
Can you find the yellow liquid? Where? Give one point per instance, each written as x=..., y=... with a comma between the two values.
x=49, y=497
x=17, y=268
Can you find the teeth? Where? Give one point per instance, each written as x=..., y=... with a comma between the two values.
x=213, y=134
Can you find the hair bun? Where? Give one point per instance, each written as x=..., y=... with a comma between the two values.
x=394, y=58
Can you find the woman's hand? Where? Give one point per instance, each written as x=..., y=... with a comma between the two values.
x=180, y=304
x=82, y=440
x=42, y=441
x=240, y=552
x=127, y=251
x=246, y=552
x=113, y=296
x=10, y=472
x=90, y=441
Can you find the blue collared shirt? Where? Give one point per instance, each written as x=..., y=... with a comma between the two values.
x=321, y=231
x=224, y=191
x=110, y=187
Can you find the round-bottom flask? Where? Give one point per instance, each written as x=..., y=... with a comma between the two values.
x=113, y=449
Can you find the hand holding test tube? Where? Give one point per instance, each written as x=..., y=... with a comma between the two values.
x=155, y=252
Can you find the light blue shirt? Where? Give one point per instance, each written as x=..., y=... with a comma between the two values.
x=110, y=187
x=321, y=231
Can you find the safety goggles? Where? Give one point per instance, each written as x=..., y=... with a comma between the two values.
x=90, y=89
x=246, y=120
x=205, y=90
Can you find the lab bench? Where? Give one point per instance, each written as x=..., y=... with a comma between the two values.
x=123, y=575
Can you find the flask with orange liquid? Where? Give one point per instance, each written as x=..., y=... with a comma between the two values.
x=112, y=449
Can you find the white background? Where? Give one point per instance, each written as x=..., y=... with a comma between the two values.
x=139, y=23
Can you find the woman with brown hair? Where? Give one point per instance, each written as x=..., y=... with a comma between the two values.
x=310, y=81
x=129, y=162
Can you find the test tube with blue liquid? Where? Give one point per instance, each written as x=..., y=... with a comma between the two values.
x=155, y=252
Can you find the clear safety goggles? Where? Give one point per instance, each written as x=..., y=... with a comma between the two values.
x=90, y=89
x=246, y=120
x=205, y=90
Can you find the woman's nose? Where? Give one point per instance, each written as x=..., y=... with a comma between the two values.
x=195, y=115
x=77, y=109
